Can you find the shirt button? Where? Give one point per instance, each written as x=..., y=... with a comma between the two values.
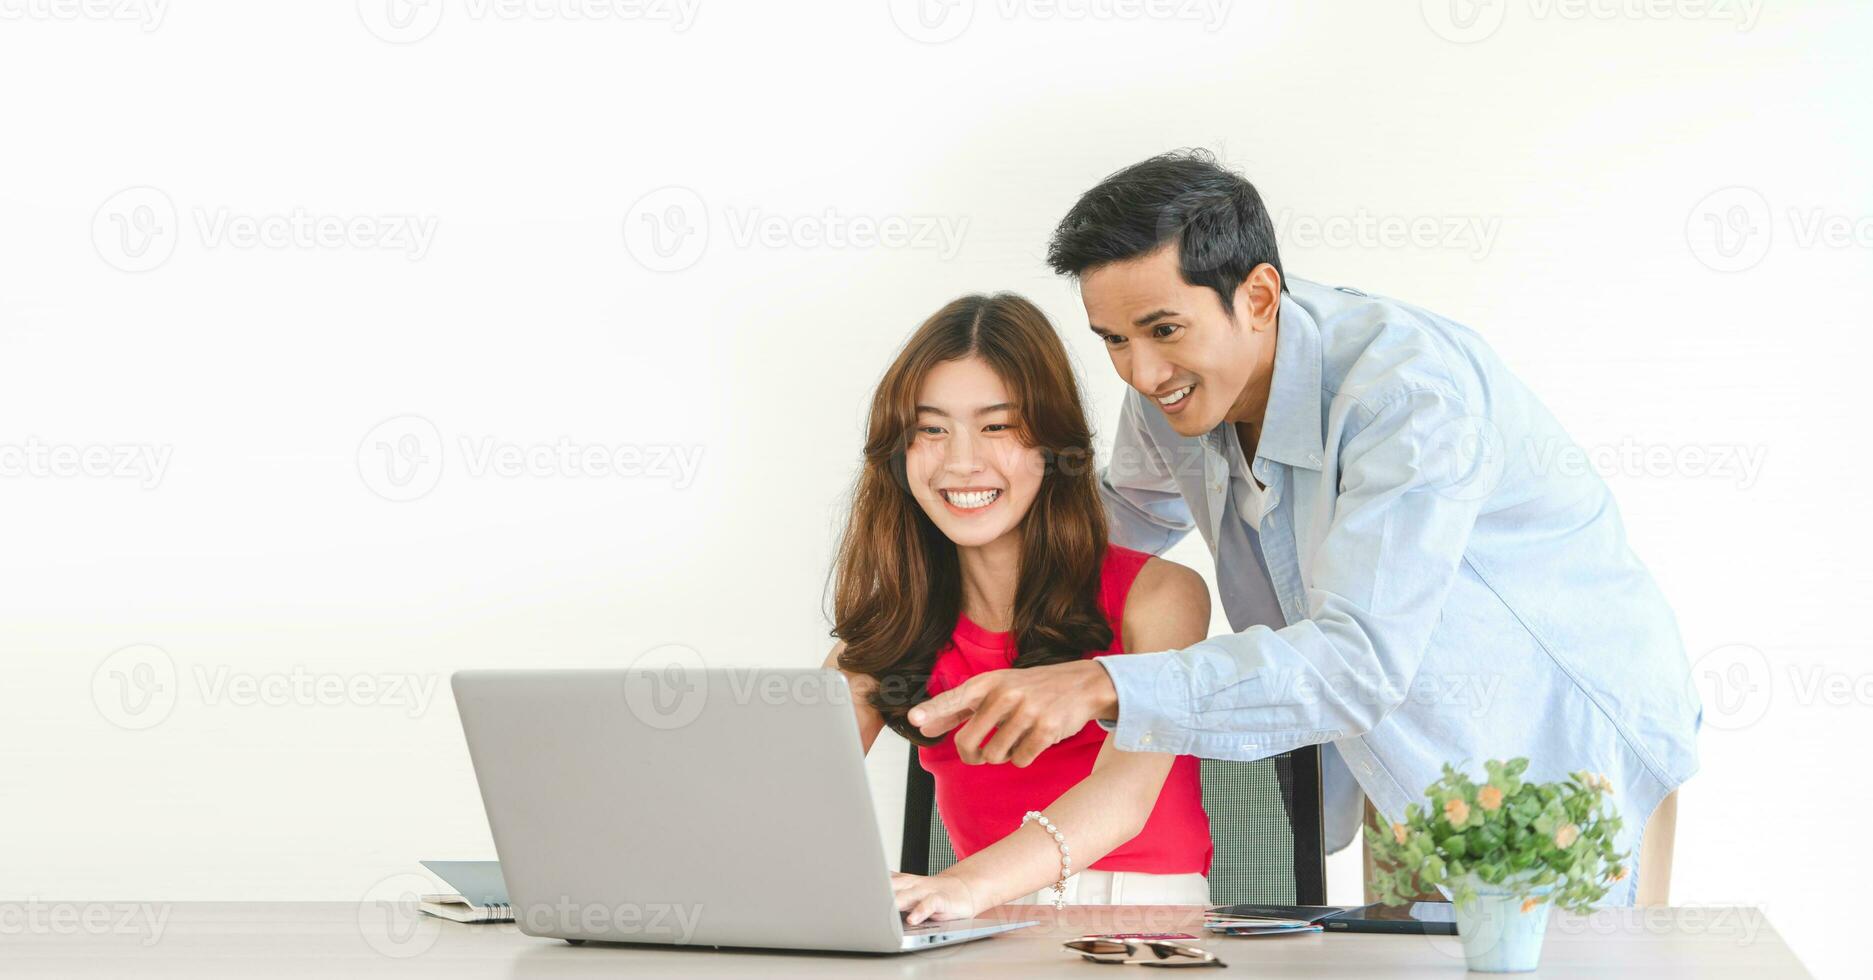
x=1144, y=739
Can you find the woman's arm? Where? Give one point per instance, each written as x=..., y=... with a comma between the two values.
x=1168, y=608
x=870, y=722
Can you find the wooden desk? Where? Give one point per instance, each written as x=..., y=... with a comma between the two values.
x=276, y=941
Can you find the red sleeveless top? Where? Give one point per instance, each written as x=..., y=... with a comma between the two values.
x=982, y=804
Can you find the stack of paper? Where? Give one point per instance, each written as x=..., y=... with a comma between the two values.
x=1239, y=924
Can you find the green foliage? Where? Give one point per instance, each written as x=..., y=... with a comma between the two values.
x=1518, y=836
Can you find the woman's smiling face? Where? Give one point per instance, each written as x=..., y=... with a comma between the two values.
x=967, y=463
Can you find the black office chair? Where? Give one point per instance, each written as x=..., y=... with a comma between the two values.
x=1265, y=823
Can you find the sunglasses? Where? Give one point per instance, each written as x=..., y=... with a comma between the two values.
x=1140, y=952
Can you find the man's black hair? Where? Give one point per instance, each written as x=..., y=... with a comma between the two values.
x=1214, y=214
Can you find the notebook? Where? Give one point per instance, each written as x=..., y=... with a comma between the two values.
x=480, y=894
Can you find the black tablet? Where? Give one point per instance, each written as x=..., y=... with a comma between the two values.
x=1420, y=918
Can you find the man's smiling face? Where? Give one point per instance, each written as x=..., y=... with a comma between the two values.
x=1175, y=342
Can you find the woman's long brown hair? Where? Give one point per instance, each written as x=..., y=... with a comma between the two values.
x=898, y=585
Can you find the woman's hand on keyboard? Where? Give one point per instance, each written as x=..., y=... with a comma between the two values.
x=935, y=897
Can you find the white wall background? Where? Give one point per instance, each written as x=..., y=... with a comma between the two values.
x=1573, y=148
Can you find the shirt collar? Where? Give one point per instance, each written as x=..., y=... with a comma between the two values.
x=1290, y=431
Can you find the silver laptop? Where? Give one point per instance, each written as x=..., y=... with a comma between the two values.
x=682, y=806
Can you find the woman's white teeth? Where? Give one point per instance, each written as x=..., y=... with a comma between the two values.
x=1176, y=396
x=971, y=499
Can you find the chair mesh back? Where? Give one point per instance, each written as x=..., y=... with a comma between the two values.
x=942, y=855
x=1251, y=831
x=1250, y=828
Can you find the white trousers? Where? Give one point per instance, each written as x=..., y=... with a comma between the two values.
x=1126, y=888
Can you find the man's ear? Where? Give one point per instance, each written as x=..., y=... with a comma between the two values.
x=1258, y=298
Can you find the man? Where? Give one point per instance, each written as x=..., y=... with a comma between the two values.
x=1412, y=580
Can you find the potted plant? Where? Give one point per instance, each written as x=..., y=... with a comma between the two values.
x=1504, y=851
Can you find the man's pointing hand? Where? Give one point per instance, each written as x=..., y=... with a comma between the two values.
x=1019, y=712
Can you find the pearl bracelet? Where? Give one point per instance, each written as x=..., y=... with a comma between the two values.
x=1066, y=858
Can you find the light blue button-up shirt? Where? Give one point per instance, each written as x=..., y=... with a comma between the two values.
x=1429, y=584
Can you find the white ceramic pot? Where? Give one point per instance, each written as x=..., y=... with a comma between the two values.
x=1496, y=934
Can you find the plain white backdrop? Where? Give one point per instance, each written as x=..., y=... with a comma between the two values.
x=345, y=346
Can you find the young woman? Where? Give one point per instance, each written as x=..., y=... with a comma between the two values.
x=977, y=542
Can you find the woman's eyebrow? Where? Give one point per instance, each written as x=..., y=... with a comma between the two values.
x=997, y=407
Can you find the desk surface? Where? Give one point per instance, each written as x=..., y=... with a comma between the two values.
x=283, y=940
